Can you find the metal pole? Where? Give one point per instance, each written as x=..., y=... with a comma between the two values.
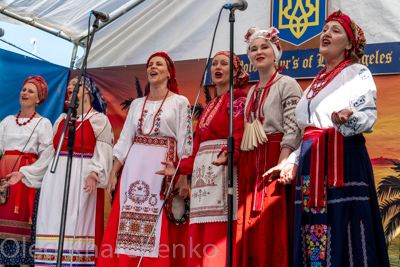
x=73, y=57
x=32, y=22
x=70, y=147
x=114, y=17
x=231, y=145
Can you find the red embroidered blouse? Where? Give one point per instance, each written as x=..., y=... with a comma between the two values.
x=214, y=124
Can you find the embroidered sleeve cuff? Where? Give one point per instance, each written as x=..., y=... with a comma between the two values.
x=293, y=141
x=288, y=146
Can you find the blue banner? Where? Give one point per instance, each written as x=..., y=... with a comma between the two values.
x=15, y=68
x=381, y=58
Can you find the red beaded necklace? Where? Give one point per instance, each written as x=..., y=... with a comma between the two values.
x=323, y=78
x=28, y=121
x=155, y=116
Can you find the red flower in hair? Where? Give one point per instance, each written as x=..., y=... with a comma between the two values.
x=247, y=36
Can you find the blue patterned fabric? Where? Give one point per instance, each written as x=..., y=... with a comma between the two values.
x=99, y=102
x=18, y=253
x=348, y=230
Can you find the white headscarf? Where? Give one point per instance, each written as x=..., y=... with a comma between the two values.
x=271, y=35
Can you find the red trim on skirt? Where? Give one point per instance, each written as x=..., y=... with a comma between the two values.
x=207, y=244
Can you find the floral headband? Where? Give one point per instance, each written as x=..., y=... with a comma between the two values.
x=271, y=35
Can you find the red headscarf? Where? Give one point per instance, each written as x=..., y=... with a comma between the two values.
x=173, y=85
x=242, y=77
x=355, y=33
x=41, y=86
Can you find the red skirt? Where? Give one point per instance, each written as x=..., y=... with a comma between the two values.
x=172, y=243
x=207, y=243
x=263, y=236
x=15, y=214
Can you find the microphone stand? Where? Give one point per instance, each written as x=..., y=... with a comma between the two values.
x=231, y=145
x=71, y=118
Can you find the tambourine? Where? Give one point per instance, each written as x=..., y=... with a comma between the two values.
x=5, y=192
x=176, y=208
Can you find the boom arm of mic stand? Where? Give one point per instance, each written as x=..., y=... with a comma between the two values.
x=73, y=105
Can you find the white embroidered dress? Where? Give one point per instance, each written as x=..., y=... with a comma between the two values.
x=81, y=214
x=142, y=155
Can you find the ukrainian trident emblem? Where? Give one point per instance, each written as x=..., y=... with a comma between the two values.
x=298, y=20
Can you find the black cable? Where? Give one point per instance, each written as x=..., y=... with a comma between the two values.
x=208, y=61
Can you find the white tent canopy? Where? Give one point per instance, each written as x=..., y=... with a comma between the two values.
x=182, y=28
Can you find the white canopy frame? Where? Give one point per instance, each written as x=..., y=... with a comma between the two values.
x=80, y=41
x=181, y=28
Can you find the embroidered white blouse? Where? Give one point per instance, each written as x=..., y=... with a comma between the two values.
x=15, y=137
x=354, y=89
x=173, y=121
x=101, y=162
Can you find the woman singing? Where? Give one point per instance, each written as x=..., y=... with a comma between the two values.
x=155, y=130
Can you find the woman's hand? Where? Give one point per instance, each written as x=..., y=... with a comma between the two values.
x=112, y=182
x=13, y=179
x=91, y=183
x=274, y=172
x=169, y=169
x=288, y=173
x=281, y=170
x=222, y=159
x=182, y=186
x=341, y=117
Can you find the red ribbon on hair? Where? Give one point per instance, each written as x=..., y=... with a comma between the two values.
x=319, y=152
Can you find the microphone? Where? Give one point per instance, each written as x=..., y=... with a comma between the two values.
x=104, y=17
x=239, y=5
x=1, y=32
